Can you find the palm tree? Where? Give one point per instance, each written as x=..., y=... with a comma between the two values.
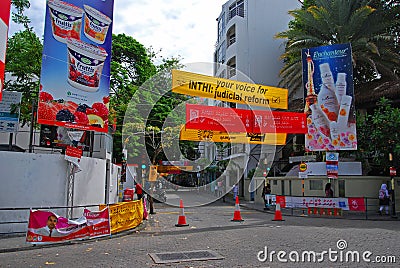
x=365, y=24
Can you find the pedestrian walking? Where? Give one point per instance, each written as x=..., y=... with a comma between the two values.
x=235, y=191
x=139, y=191
x=384, y=199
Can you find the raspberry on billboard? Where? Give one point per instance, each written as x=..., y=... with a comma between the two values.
x=75, y=74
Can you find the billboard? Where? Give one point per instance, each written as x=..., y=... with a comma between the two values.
x=75, y=75
x=4, y=22
x=329, y=97
x=241, y=120
x=228, y=90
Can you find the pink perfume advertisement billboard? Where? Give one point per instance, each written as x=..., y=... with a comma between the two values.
x=75, y=75
x=329, y=98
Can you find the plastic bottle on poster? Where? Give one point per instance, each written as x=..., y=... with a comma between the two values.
x=335, y=133
x=319, y=120
x=327, y=76
x=344, y=111
x=328, y=103
x=341, y=86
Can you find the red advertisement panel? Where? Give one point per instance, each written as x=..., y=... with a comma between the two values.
x=4, y=22
x=241, y=120
x=356, y=203
x=48, y=227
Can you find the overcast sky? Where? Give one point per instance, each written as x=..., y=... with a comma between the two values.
x=186, y=28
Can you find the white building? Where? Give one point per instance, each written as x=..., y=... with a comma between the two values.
x=246, y=50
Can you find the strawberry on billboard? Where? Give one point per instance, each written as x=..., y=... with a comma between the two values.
x=4, y=21
x=241, y=120
x=75, y=75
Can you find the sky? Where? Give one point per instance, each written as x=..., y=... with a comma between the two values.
x=185, y=28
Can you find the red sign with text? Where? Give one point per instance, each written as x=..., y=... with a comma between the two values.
x=241, y=120
x=4, y=22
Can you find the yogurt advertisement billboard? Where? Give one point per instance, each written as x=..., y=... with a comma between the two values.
x=329, y=98
x=75, y=75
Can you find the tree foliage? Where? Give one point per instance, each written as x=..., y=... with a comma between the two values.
x=378, y=134
x=369, y=26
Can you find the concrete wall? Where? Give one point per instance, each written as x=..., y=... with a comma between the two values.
x=40, y=181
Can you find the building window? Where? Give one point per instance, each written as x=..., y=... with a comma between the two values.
x=231, y=36
x=231, y=67
x=236, y=9
x=221, y=26
x=316, y=185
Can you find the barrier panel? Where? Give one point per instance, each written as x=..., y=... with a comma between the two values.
x=125, y=215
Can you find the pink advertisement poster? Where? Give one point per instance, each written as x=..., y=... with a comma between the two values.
x=5, y=6
x=75, y=75
x=329, y=98
x=48, y=227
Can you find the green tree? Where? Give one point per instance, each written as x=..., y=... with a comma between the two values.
x=377, y=134
x=368, y=25
x=23, y=61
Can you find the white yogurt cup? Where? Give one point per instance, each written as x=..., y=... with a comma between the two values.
x=85, y=64
x=96, y=25
x=66, y=20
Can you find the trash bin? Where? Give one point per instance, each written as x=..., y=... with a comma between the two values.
x=128, y=194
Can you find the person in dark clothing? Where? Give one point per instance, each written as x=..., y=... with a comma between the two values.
x=265, y=195
x=328, y=190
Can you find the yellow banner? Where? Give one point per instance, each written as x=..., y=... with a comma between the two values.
x=228, y=90
x=125, y=216
x=153, y=173
x=218, y=136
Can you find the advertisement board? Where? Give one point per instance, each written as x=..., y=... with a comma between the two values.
x=242, y=120
x=329, y=97
x=228, y=90
x=9, y=119
x=75, y=74
x=5, y=6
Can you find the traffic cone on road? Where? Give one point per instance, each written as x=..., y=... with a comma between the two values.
x=182, y=217
x=278, y=213
x=236, y=214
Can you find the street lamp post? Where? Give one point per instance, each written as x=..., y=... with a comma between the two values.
x=392, y=175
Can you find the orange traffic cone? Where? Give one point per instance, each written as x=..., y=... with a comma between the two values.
x=182, y=217
x=278, y=213
x=236, y=214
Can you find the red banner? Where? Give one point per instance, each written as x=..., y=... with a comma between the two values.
x=241, y=120
x=47, y=227
x=4, y=22
x=356, y=204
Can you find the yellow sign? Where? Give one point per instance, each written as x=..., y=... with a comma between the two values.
x=153, y=173
x=167, y=169
x=125, y=216
x=218, y=136
x=228, y=90
x=303, y=167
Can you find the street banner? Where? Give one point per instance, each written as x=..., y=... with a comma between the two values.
x=47, y=227
x=228, y=90
x=5, y=7
x=219, y=136
x=344, y=203
x=75, y=74
x=241, y=120
x=9, y=119
x=329, y=98
x=125, y=215
x=332, y=165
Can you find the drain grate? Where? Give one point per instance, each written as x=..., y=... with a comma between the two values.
x=197, y=255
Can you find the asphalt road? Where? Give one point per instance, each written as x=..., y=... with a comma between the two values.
x=319, y=242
